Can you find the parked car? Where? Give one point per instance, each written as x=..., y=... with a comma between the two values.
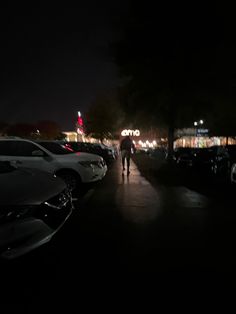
x=184, y=156
x=52, y=157
x=33, y=207
x=112, y=150
x=99, y=149
x=231, y=149
x=222, y=161
x=214, y=159
x=159, y=153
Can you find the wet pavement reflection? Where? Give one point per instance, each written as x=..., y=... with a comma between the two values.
x=136, y=199
x=140, y=202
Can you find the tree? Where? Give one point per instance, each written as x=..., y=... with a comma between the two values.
x=224, y=115
x=104, y=117
x=21, y=130
x=48, y=130
x=175, y=68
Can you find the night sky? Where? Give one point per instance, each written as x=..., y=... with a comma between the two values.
x=55, y=60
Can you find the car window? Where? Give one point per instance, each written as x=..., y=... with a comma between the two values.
x=24, y=149
x=6, y=148
x=56, y=148
x=17, y=148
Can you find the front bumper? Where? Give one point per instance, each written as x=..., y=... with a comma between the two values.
x=22, y=235
x=94, y=174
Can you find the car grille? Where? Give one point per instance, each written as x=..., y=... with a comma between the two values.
x=54, y=211
x=59, y=201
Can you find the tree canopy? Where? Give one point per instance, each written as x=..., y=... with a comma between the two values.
x=179, y=67
x=49, y=130
x=104, y=117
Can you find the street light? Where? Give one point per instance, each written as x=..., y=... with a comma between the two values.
x=196, y=123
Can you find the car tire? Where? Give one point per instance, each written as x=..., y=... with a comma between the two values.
x=71, y=179
x=233, y=174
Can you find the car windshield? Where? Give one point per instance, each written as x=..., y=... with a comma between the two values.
x=56, y=148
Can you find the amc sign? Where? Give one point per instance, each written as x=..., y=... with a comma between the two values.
x=130, y=133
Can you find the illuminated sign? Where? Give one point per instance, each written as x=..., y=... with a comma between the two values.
x=80, y=121
x=202, y=132
x=80, y=124
x=130, y=133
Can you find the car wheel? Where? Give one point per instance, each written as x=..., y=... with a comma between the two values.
x=71, y=179
x=233, y=174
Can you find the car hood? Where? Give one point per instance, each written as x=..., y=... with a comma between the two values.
x=28, y=187
x=79, y=156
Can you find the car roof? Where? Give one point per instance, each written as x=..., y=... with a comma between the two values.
x=16, y=139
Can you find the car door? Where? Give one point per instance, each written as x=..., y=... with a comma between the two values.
x=26, y=154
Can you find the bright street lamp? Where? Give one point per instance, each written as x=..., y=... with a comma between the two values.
x=198, y=122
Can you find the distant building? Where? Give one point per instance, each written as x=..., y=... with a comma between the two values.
x=200, y=137
x=71, y=136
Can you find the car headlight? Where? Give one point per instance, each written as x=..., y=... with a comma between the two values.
x=92, y=163
x=86, y=164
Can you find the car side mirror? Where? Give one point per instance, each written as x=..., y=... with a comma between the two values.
x=38, y=153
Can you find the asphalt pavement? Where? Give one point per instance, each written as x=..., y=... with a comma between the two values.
x=124, y=230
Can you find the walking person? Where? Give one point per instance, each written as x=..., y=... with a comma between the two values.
x=126, y=147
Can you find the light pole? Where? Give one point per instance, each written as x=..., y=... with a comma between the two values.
x=196, y=123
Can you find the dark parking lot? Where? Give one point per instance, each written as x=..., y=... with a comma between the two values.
x=125, y=229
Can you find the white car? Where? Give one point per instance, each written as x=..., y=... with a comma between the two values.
x=34, y=205
x=233, y=174
x=52, y=157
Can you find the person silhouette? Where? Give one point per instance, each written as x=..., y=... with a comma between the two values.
x=126, y=147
